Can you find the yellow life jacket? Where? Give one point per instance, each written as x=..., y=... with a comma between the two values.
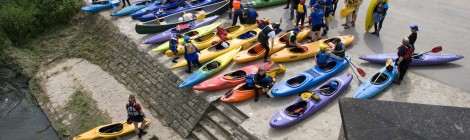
x=189, y=48
x=300, y=8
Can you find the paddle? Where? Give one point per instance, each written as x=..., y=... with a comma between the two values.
x=434, y=50
x=359, y=70
x=388, y=63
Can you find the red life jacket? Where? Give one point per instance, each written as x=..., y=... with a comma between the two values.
x=236, y=5
x=409, y=51
x=173, y=37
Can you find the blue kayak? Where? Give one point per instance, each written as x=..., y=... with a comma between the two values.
x=154, y=7
x=135, y=7
x=305, y=80
x=100, y=5
x=171, y=10
x=369, y=89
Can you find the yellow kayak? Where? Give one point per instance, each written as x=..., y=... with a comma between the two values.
x=206, y=41
x=369, y=23
x=346, y=11
x=207, y=54
x=109, y=131
x=308, y=50
x=257, y=52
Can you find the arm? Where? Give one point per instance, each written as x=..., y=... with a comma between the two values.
x=140, y=110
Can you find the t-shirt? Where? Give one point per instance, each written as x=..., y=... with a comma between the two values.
x=328, y=2
x=412, y=38
x=317, y=17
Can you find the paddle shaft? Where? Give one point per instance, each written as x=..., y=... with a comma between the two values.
x=353, y=69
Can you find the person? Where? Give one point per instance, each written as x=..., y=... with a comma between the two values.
x=405, y=52
x=338, y=49
x=188, y=16
x=335, y=4
x=288, y=4
x=237, y=12
x=301, y=13
x=136, y=115
x=250, y=16
x=327, y=4
x=230, y=7
x=380, y=11
x=293, y=8
x=292, y=38
x=259, y=81
x=124, y=3
x=190, y=54
x=322, y=57
x=174, y=46
x=414, y=35
x=264, y=36
x=316, y=22
x=351, y=18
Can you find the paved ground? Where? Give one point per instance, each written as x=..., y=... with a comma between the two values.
x=444, y=23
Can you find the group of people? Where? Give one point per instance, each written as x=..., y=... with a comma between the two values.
x=245, y=15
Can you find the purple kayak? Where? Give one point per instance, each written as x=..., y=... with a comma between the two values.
x=301, y=109
x=165, y=36
x=425, y=59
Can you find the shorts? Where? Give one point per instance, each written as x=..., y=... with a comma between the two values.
x=327, y=12
x=356, y=11
x=138, y=118
x=174, y=50
x=316, y=28
x=377, y=18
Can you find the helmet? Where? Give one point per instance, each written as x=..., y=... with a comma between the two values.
x=186, y=38
x=316, y=6
x=406, y=41
x=323, y=47
x=333, y=85
x=414, y=27
x=297, y=29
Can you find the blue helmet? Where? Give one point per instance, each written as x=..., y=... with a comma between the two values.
x=334, y=85
x=297, y=29
x=414, y=27
x=186, y=38
x=317, y=6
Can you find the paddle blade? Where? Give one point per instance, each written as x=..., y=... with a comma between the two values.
x=389, y=62
x=436, y=49
x=361, y=72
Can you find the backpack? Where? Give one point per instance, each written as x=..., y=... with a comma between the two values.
x=250, y=80
x=132, y=110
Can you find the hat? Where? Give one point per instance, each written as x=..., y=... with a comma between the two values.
x=323, y=47
x=316, y=6
x=414, y=27
x=297, y=29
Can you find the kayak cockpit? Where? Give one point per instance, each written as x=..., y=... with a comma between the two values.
x=143, y=3
x=296, y=109
x=205, y=37
x=283, y=39
x=329, y=66
x=191, y=34
x=235, y=75
x=233, y=29
x=327, y=89
x=256, y=50
x=296, y=81
x=302, y=49
x=219, y=46
x=247, y=35
x=381, y=80
x=113, y=128
x=100, y=2
x=211, y=66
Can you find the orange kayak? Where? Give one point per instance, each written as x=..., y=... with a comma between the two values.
x=307, y=50
x=257, y=51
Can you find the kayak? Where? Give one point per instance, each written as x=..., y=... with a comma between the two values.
x=301, y=109
x=192, y=31
x=109, y=131
x=264, y=3
x=100, y=5
x=373, y=86
x=207, y=54
x=308, y=50
x=369, y=23
x=206, y=41
x=424, y=59
x=177, y=9
x=209, y=68
x=346, y=11
x=135, y=7
x=170, y=21
x=257, y=51
x=309, y=78
x=232, y=78
x=242, y=92
x=154, y=7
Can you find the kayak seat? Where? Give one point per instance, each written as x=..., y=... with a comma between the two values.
x=113, y=128
x=205, y=37
x=330, y=65
x=296, y=80
x=382, y=79
x=283, y=39
x=296, y=109
x=212, y=65
x=237, y=74
x=326, y=90
x=247, y=35
x=233, y=29
x=256, y=50
x=219, y=46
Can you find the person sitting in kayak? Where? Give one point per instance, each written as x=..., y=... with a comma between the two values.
x=135, y=115
x=292, y=38
x=323, y=56
x=173, y=46
x=250, y=16
x=259, y=81
x=338, y=50
x=190, y=54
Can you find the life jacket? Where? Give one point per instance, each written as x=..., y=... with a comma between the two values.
x=173, y=38
x=236, y=5
x=409, y=51
x=132, y=110
x=322, y=58
x=263, y=36
x=300, y=8
x=339, y=50
x=291, y=33
x=250, y=81
x=189, y=48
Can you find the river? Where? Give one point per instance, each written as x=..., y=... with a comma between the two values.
x=20, y=116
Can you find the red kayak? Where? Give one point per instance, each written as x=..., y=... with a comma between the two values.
x=231, y=79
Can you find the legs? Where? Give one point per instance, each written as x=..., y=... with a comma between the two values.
x=335, y=4
x=136, y=125
x=288, y=3
x=256, y=94
x=124, y=3
x=266, y=53
x=348, y=23
x=292, y=9
x=301, y=18
x=230, y=13
x=236, y=16
x=402, y=68
x=325, y=27
x=189, y=66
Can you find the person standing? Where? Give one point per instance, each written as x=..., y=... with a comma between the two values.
x=327, y=4
x=335, y=4
x=316, y=22
x=293, y=8
x=414, y=35
x=380, y=11
x=190, y=54
x=263, y=38
x=124, y=3
x=136, y=115
x=351, y=18
x=288, y=4
x=230, y=8
x=174, y=46
x=405, y=52
x=237, y=12
x=301, y=13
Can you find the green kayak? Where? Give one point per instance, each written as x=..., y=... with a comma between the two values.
x=201, y=31
x=264, y=3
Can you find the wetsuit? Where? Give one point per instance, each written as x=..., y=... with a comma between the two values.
x=405, y=51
